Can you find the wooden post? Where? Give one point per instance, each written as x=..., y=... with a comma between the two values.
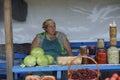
x=8, y=37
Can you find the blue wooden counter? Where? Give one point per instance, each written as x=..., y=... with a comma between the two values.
x=75, y=48
x=18, y=69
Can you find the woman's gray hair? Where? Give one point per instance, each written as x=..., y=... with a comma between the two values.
x=46, y=23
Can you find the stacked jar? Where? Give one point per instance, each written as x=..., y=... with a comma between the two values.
x=100, y=43
x=113, y=34
x=113, y=52
x=101, y=52
x=84, y=52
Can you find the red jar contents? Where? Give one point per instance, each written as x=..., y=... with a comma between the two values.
x=101, y=56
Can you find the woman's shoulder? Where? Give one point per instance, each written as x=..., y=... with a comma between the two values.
x=60, y=33
x=42, y=34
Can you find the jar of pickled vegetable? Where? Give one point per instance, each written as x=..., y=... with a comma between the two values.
x=113, y=55
x=92, y=53
x=100, y=43
x=101, y=56
x=113, y=30
x=84, y=52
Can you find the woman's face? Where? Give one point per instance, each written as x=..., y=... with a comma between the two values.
x=51, y=28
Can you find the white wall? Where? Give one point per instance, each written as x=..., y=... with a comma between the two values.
x=81, y=20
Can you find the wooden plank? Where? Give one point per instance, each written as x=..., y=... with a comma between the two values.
x=59, y=68
x=78, y=44
x=19, y=69
x=8, y=37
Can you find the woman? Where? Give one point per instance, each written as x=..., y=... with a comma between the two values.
x=53, y=42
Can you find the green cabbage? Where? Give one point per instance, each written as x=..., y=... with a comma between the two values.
x=42, y=60
x=37, y=51
x=50, y=59
x=29, y=60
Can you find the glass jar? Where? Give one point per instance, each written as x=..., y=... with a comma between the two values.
x=100, y=43
x=101, y=56
x=113, y=55
x=92, y=53
x=113, y=31
x=84, y=52
x=113, y=41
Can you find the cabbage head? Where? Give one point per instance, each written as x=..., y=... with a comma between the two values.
x=37, y=51
x=29, y=60
x=50, y=59
x=42, y=60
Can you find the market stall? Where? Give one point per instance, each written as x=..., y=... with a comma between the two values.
x=75, y=46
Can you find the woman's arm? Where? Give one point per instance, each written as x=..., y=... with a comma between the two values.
x=68, y=48
x=35, y=43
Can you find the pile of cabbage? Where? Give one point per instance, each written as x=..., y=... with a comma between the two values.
x=37, y=57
